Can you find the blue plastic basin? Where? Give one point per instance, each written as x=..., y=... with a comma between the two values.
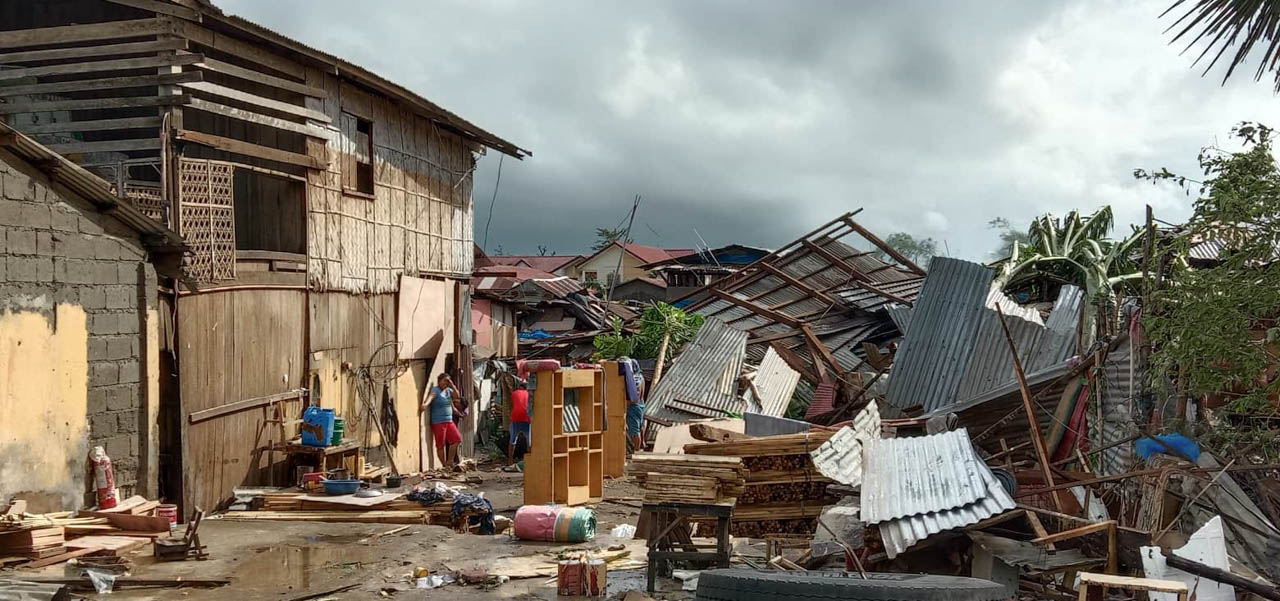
x=341, y=487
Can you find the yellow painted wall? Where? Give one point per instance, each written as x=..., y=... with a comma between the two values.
x=606, y=262
x=44, y=371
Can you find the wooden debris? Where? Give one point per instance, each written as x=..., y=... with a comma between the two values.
x=366, y=517
x=48, y=561
x=109, y=545
x=786, y=444
x=708, y=433
x=675, y=478
x=35, y=542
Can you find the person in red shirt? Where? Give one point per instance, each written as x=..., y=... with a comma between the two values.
x=520, y=425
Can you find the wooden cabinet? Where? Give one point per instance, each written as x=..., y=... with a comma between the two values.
x=565, y=463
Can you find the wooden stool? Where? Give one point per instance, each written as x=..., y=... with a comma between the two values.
x=669, y=529
x=1106, y=581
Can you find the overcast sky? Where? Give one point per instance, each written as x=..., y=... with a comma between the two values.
x=754, y=122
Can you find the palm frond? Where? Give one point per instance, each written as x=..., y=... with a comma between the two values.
x=1225, y=24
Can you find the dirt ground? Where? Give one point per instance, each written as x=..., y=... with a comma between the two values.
x=281, y=561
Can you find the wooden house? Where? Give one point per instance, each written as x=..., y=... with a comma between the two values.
x=327, y=211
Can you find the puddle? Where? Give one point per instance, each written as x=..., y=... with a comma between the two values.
x=297, y=567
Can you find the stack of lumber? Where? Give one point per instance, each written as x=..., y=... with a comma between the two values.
x=36, y=542
x=675, y=478
x=304, y=507
x=783, y=492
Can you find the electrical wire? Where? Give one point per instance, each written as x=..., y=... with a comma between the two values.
x=493, y=200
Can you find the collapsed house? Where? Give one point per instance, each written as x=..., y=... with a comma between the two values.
x=326, y=210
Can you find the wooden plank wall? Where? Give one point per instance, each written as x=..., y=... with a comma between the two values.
x=235, y=345
x=419, y=220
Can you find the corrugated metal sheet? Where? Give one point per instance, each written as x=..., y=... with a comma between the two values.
x=996, y=297
x=931, y=360
x=908, y=290
x=775, y=381
x=1065, y=317
x=841, y=457
x=706, y=372
x=901, y=316
x=1119, y=386
x=823, y=401
x=766, y=425
x=917, y=487
x=911, y=476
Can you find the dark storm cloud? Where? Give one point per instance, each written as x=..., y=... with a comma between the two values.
x=753, y=122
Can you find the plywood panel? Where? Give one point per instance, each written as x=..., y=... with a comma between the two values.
x=427, y=317
x=235, y=345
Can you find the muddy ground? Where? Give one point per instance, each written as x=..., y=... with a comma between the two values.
x=281, y=561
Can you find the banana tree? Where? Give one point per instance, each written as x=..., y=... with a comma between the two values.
x=1076, y=249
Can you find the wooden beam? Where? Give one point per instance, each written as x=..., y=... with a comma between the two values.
x=1042, y=455
x=196, y=417
x=254, y=99
x=245, y=50
x=133, y=81
x=92, y=103
x=116, y=64
x=163, y=8
x=313, y=131
x=788, y=278
x=1219, y=575
x=237, y=71
x=81, y=33
x=249, y=149
x=863, y=280
x=1074, y=532
x=89, y=51
x=94, y=125
x=757, y=309
x=889, y=250
x=822, y=350
x=794, y=361
x=106, y=146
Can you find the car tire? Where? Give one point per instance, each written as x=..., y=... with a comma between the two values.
x=751, y=585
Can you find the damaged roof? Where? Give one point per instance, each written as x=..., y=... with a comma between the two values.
x=703, y=379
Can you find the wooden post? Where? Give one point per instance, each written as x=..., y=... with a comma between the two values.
x=662, y=357
x=1036, y=438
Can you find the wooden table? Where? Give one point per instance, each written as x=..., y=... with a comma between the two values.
x=347, y=455
x=1106, y=581
x=668, y=529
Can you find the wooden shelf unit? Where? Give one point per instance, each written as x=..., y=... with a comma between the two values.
x=615, y=436
x=563, y=466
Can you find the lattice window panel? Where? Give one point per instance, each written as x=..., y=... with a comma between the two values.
x=206, y=212
x=148, y=199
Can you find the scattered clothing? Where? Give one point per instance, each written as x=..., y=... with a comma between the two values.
x=479, y=510
x=426, y=496
x=390, y=419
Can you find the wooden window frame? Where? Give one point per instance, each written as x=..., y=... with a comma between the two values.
x=351, y=181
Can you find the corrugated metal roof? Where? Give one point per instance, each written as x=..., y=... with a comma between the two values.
x=931, y=360
x=706, y=373
x=901, y=316
x=867, y=300
x=841, y=457
x=775, y=381
x=822, y=401
x=1119, y=385
x=917, y=487
x=911, y=476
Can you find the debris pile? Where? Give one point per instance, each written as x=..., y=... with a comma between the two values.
x=674, y=478
x=35, y=540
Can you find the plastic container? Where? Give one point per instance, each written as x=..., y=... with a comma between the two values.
x=341, y=487
x=168, y=511
x=339, y=426
x=555, y=524
x=317, y=426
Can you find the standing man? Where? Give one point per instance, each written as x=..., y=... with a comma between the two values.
x=520, y=422
x=635, y=401
x=442, y=402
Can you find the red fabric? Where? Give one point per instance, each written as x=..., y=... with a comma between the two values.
x=445, y=433
x=520, y=405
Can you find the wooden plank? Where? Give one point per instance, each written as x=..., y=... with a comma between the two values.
x=128, y=521
x=1074, y=532
x=164, y=8
x=822, y=350
x=262, y=78
x=1042, y=455
x=106, y=146
x=579, y=378
x=94, y=125
x=48, y=561
x=254, y=99
x=111, y=545
x=313, y=131
x=81, y=33
x=89, y=51
x=198, y=416
x=135, y=81
x=117, y=64
x=248, y=149
x=90, y=104
x=17, y=508
x=1219, y=575
x=864, y=281
x=245, y=50
x=1133, y=584
x=757, y=309
x=889, y=250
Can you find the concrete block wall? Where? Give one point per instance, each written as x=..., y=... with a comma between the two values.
x=58, y=250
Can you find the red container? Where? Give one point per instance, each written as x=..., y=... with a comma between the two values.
x=168, y=511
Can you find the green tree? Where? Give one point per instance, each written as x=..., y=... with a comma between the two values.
x=1223, y=23
x=1009, y=236
x=657, y=321
x=606, y=236
x=919, y=250
x=1215, y=326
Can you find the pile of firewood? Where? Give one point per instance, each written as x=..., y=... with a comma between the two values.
x=674, y=478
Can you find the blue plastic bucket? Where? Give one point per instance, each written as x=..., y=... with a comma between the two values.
x=317, y=426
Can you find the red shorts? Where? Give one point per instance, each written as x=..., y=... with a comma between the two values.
x=445, y=433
